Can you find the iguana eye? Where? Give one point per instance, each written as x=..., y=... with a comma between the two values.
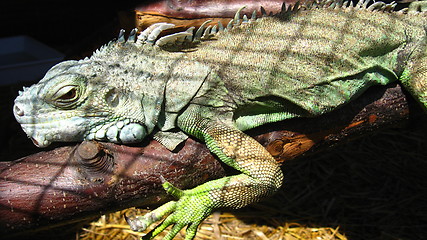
x=69, y=95
x=66, y=96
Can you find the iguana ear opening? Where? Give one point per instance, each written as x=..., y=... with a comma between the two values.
x=112, y=98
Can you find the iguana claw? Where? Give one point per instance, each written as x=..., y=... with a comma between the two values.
x=192, y=207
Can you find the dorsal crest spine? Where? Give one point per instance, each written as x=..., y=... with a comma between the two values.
x=207, y=31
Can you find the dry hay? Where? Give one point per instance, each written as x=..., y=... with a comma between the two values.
x=218, y=226
x=371, y=188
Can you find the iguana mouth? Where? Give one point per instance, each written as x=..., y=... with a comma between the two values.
x=41, y=143
x=35, y=141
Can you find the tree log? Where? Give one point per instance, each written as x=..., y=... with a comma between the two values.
x=209, y=8
x=74, y=183
x=188, y=13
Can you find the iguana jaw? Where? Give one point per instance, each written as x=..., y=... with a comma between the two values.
x=43, y=134
x=43, y=130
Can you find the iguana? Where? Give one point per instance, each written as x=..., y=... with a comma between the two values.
x=303, y=62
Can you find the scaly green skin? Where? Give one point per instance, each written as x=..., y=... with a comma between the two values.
x=275, y=68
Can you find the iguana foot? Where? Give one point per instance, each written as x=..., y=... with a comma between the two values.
x=192, y=207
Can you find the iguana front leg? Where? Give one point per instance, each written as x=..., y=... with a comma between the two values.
x=261, y=176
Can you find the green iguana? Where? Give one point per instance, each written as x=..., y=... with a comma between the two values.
x=302, y=62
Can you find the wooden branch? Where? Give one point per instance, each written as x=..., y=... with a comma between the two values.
x=188, y=13
x=209, y=8
x=73, y=183
x=77, y=182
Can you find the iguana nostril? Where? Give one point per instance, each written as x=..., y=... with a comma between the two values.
x=18, y=111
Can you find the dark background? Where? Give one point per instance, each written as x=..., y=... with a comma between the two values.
x=63, y=25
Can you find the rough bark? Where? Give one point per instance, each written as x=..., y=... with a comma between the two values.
x=77, y=182
x=73, y=183
x=188, y=13
x=209, y=8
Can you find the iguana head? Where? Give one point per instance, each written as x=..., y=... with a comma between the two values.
x=79, y=100
x=118, y=95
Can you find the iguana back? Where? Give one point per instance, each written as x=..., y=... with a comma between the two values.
x=310, y=62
